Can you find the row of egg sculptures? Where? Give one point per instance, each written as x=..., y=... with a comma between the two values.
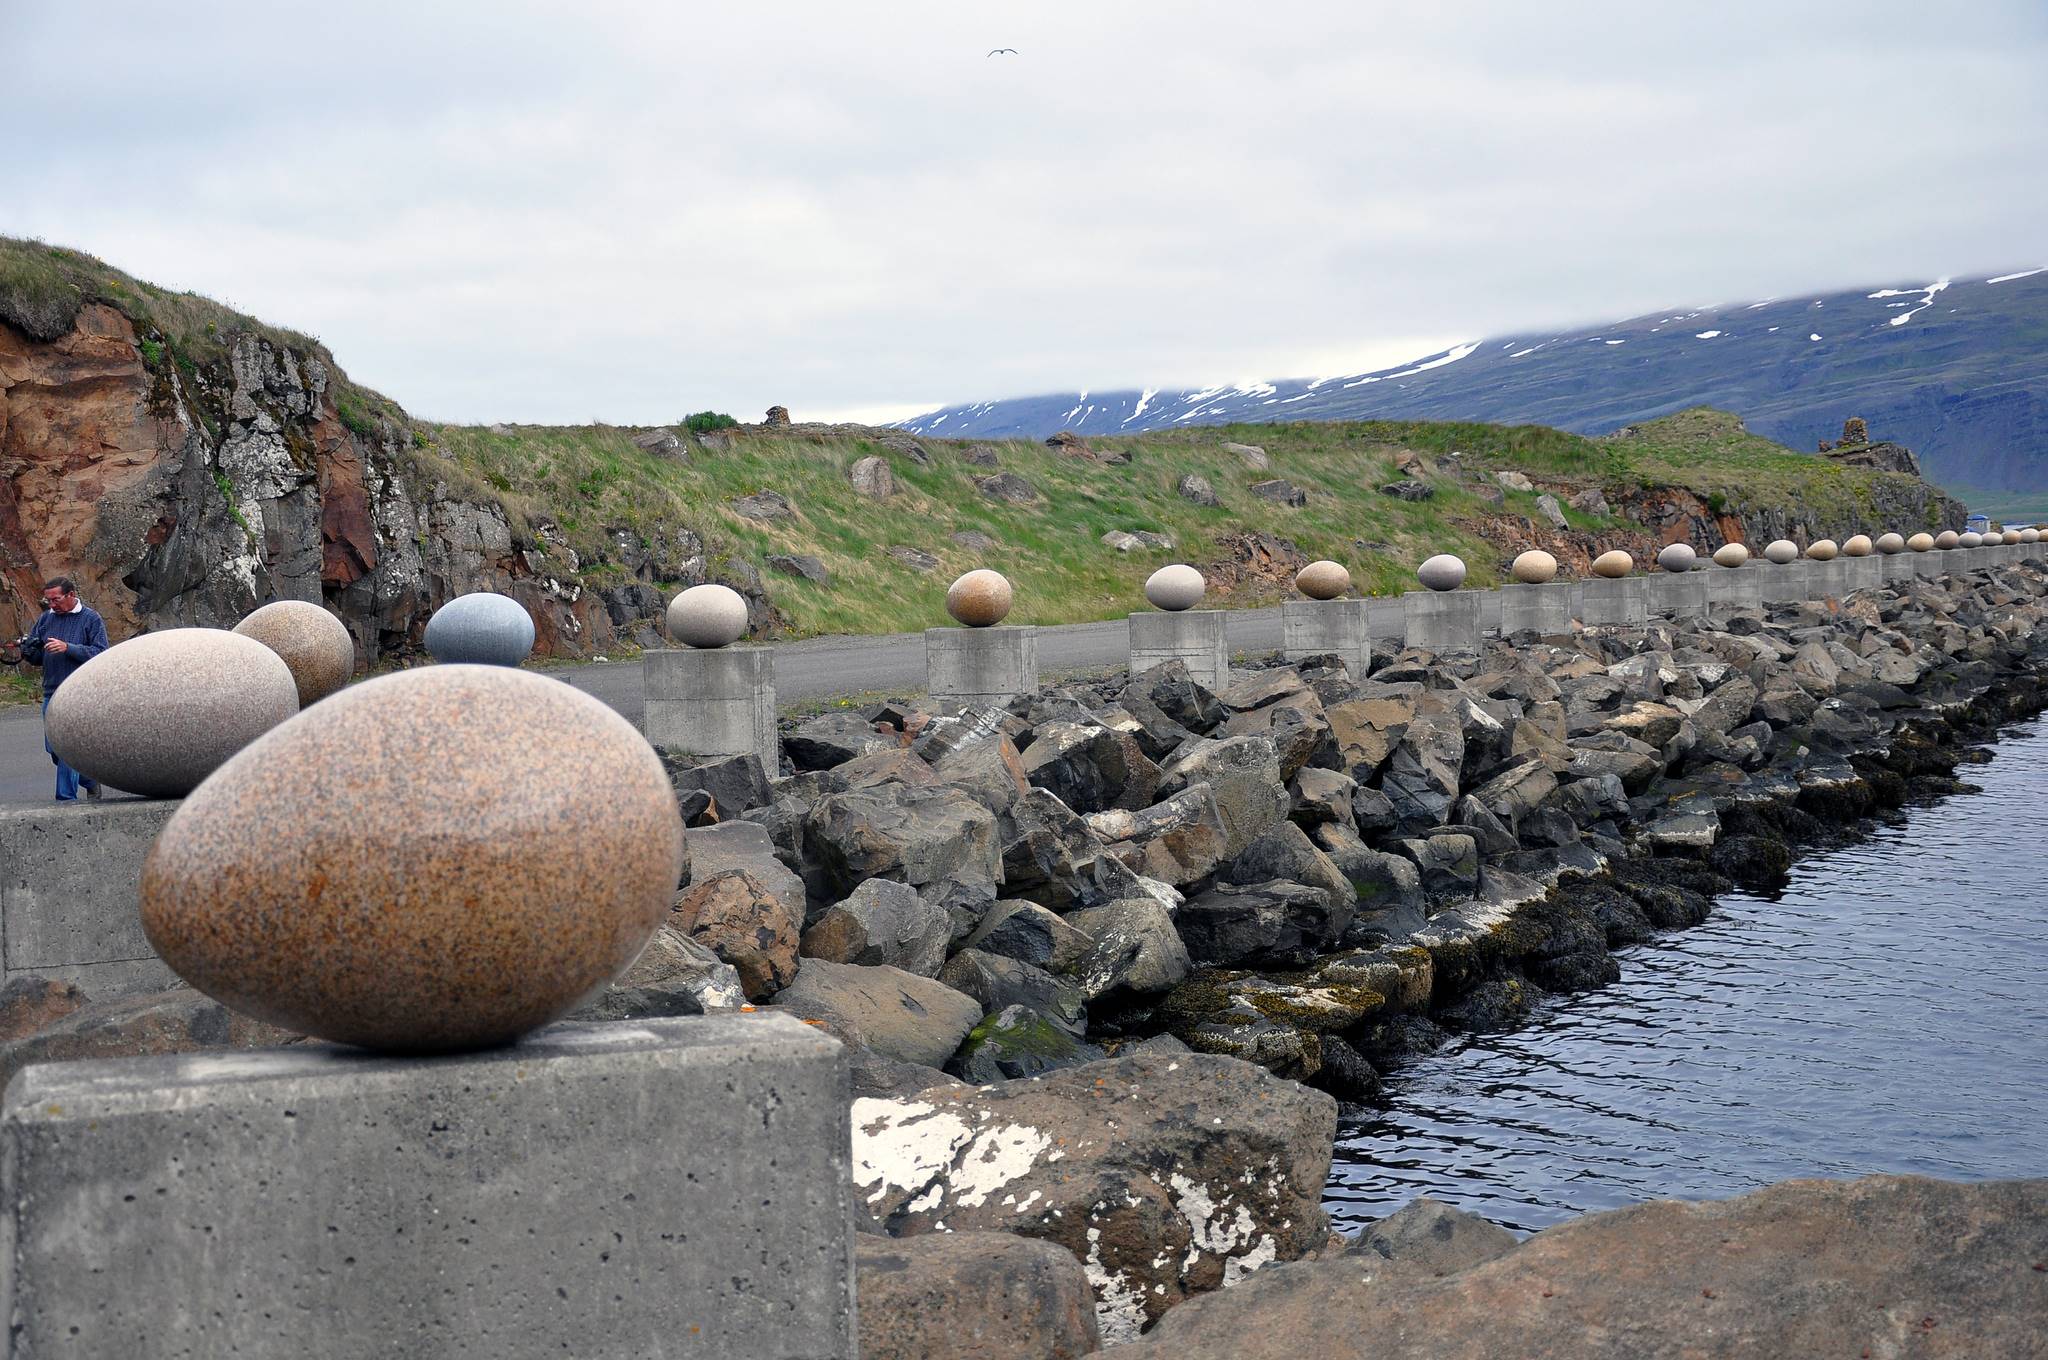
x=158, y=713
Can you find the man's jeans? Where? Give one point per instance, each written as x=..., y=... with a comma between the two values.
x=68, y=779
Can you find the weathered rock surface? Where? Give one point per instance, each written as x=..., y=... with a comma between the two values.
x=1888, y=1265
x=882, y=922
x=1164, y=1175
x=745, y=923
x=971, y=1296
x=176, y=1021
x=896, y=1014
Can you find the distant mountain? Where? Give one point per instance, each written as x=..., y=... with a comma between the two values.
x=1956, y=369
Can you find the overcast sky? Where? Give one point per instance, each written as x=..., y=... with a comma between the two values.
x=565, y=212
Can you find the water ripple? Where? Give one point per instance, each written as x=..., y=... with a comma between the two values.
x=1888, y=1011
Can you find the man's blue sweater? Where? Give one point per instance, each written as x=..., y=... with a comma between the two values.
x=84, y=635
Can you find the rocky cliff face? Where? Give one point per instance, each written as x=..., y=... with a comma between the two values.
x=188, y=494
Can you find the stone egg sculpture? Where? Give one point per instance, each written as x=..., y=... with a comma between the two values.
x=1613, y=565
x=1857, y=545
x=1781, y=551
x=980, y=598
x=1730, y=555
x=2030, y=535
x=707, y=616
x=1889, y=543
x=437, y=860
x=1323, y=580
x=1677, y=557
x=1970, y=540
x=1920, y=542
x=1445, y=571
x=2011, y=536
x=1175, y=588
x=157, y=714
x=1948, y=538
x=1822, y=550
x=311, y=642
x=1534, y=567
x=483, y=628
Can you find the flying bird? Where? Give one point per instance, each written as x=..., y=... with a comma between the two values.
x=1011, y=50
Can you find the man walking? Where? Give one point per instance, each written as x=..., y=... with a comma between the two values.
x=66, y=636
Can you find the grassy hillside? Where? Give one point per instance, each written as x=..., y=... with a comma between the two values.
x=591, y=480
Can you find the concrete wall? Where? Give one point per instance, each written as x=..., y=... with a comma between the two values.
x=1331, y=627
x=1545, y=610
x=712, y=702
x=672, y=1187
x=980, y=665
x=1193, y=637
x=1616, y=602
x=1441, y=621
x=70, y=881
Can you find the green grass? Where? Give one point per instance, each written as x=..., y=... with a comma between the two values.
x=18, y=687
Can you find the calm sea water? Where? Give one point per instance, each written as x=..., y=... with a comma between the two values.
x=1888, y=1012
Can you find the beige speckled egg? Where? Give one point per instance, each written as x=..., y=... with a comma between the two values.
x=1613, y=564
x=708, y=616
x=1822, y=550
x=1730, y=555
x=1948, y=538
x=1781, y=551
x=314, y=645
x=1889, y=543
x=1534, y=567
x=1921, y=542
x=1857, y=545
x=1323, y=580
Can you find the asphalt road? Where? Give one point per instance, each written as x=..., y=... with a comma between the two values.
x=815, y=668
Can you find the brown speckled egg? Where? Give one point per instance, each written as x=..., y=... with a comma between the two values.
x=315, y=645
x=1857, y=545
x=1323, y=580
x=980, y=598
x=1613, y=564
x=437, y=860
x=1822, y=550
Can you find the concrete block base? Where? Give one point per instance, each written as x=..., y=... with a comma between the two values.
x=70, y=894
x=1679, y=595
x=1193, y=638
x=1736, y=590
x=1328, y=627
x=980, y=665
x=1441, y=620
x=1614, y=602
x=712, y=702
x=1898, y=567
x=1545, y=610
x=1863, y=573
x=1931, y=563
x=672, y=1187
x=1826, y=580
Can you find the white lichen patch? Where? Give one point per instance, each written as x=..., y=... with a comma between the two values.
x=1217, y=1228
x=1119, y=1302
x=911, y=1145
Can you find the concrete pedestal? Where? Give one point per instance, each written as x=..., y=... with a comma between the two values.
x=669, y=1187
x=980, y=665
x=1194, y=638
x=70, y=894
x=1863, y=573
x=1328, y=627
x=712, y=702
x=1736, y=590
x=1441, y=620
x=1826, y=580
x=1678, y=595
x=1898, y=567
x=1930, y=564
x=1545, y=610
x=1614, y=602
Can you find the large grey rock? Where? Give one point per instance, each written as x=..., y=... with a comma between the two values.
x=919, y=836
x=882, y=922
x=1090, y=767
x=1286, y=853
x=150, y=1024
x=1016, y=1043
x=1196, y=490
x=157, y=714
x=871, y=477
x=1025, y=931
x=1430, y=1237
x=1048, y=853
x=1137, y=952
x=1243, y=775
x=674, y=975
x=990, y=770
x=1276, y=925
x=1176, y=841
x=832, y=739
x=1155, y=1209
x=972, y=1296
x=714, y=850
x=1887, y=1265
x=897, y=1014
x=481, y=628
x=999, y=983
